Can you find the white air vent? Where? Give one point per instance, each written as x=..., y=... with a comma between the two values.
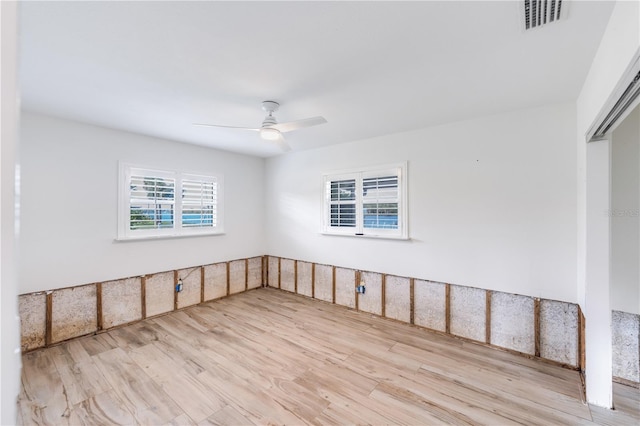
x=541, y=12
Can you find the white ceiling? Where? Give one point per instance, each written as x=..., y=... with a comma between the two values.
x=370, y=68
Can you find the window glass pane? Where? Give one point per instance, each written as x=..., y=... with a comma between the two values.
x=198, y=203
x=343, y=215
x=343, y=190
x=380, y=202
x=151, y=202
x=381, y=215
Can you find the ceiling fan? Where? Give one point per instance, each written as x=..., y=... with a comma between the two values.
x=270, y=129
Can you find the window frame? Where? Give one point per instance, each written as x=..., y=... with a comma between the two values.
x=361, y=174
x=125, y=233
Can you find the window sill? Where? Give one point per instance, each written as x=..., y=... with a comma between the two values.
x=164, y=237
x=377, y=237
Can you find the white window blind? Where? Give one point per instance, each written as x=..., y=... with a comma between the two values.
x=366, y=202
x=343, y=203
x=199, y=198
x=380, y=202
x=152, y=201
x=157, y=203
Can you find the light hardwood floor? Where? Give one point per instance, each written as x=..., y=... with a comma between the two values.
x=271, y=357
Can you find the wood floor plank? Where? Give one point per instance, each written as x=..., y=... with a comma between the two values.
x=97, y=344
x=81, y=381
x=432, y=409
x=127, y=338
x=73, y=351
x=148, y=331
x=267, y=356
x=43, y=398
x=416, y=410
x=181, y=420
x=264, y=367
x=296, y=358
x=192, y=395
x=315, y=345
x=343, y=412
x=101, y=409
x=345, y=389
x=156, y=363
x=181, y=352
x=298, y=399
x=226, y=416
x=118, y=368
x=146, y=400
x=254, y=404
x=461, y=407
x=375, y=367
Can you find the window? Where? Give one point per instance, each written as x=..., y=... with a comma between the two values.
x=150, y=208
x=367, y=202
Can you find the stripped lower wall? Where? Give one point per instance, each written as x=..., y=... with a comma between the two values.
x=50, y=317
x=625, y=331
x=542, y=328
x=547, y=329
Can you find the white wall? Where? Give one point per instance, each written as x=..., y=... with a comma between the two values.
x=492, y=204
x=625, y=217
x=9, y=116
x=69, y=205
x=620, y=42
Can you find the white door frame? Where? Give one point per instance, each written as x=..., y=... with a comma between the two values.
x=598, y=346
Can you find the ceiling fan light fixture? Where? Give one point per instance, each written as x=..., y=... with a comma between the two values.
x=272, y=131
x=270, y=134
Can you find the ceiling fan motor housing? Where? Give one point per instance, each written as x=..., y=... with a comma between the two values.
x=270, y=106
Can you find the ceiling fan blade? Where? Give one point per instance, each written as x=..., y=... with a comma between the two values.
x=299, y=124
x=282, y=144
x=226, y=127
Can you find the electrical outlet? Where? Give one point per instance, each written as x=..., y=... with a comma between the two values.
x=360, y=289
x=179, y=286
